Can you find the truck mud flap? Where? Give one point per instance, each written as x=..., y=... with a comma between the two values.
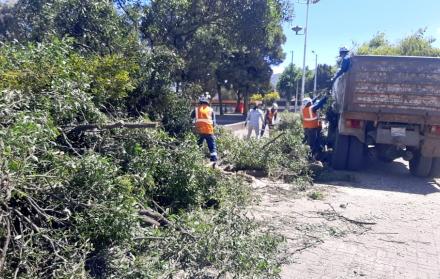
x=340, y=152
x=420, y=165
x=356, y=154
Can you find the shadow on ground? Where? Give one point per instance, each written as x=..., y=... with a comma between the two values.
x=394, y=176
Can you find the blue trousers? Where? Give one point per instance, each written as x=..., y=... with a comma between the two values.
x=210, y=140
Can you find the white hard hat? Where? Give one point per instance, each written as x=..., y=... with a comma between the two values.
x=275, y=105
x=204, y=99
x=343, y=49
x=306, y=101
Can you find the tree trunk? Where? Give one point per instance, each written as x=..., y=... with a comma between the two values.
x=238, y=101
x=246, y=100
x=220, y=100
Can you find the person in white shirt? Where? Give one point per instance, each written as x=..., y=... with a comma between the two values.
x=255, y=119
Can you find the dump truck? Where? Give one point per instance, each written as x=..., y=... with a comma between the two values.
x=389, y=105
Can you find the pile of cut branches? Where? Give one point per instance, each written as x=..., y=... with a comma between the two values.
x=109, y=203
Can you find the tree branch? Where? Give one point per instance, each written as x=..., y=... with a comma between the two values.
x=5, y=245
x=87, y=127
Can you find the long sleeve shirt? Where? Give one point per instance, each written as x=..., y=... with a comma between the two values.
x=255, y=117
x=318, y=104
x=345, y=66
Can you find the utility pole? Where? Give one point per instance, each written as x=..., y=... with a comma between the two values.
x=316, y=73
x=291, y=82
x=297, y=29
x=303, y=84
x=296, y=96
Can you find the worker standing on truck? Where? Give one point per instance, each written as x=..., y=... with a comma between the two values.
x=204, y=119
x=345, y=64
x=311, y=124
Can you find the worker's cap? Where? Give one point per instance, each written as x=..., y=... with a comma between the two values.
x=275, y=106
x=307, y=101
x=343, y=49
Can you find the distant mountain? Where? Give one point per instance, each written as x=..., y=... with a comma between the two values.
x=274, y=80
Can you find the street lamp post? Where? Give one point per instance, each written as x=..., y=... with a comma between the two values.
x=316, y=73
x=296, y=96
x=297, y=29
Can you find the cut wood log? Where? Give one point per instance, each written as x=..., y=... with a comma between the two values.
x=149, y=221
x=155, y=216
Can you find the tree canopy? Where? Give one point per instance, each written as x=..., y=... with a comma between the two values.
x=118, y=202
x=417, y=44
x=292, y=77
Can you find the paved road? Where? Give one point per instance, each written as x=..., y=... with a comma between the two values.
x=230, y=119
x=404, y=242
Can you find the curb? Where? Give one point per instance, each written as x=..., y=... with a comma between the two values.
x=234, y=127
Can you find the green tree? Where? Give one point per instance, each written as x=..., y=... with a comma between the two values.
x=416, y=44
x=289, y=80
x=95, y=24
x=325, y=73
x=212, y=38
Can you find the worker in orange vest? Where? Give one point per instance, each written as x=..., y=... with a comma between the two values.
x=311, y=124
x=204, y=119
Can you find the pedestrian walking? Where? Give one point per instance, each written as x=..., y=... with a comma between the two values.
x=254, y=121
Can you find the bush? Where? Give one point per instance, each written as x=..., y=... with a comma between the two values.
x=285, y=157
x=70, y=201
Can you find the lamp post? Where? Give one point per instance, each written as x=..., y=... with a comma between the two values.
x=296, y=96
x=316, y=73
x=297, y=29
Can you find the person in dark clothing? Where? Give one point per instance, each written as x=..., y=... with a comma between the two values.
x=345, y=64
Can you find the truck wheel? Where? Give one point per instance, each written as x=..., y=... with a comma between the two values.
x=420, y=165
x=356, y=154
x=382, y=153
x=340, y=152
x=435, y=168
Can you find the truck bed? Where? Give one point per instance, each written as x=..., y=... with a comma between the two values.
x=392, y=85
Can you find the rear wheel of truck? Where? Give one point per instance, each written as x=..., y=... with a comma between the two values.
x=420, y=165
x=382, y=153
x=435, y=168
x=340, y=152
x=356, y=154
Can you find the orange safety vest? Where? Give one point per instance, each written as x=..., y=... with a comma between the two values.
x=204, y=123
x=270, y=115
x=310, y=118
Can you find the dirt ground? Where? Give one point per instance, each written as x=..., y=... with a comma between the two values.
x=378, y=223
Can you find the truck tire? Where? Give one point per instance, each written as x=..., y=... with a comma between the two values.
x=420, y=165
x=435, y=168
x=381, y=151
x=340, y=152
x=356, y=154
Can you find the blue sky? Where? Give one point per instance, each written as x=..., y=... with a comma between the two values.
x=335, y=23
